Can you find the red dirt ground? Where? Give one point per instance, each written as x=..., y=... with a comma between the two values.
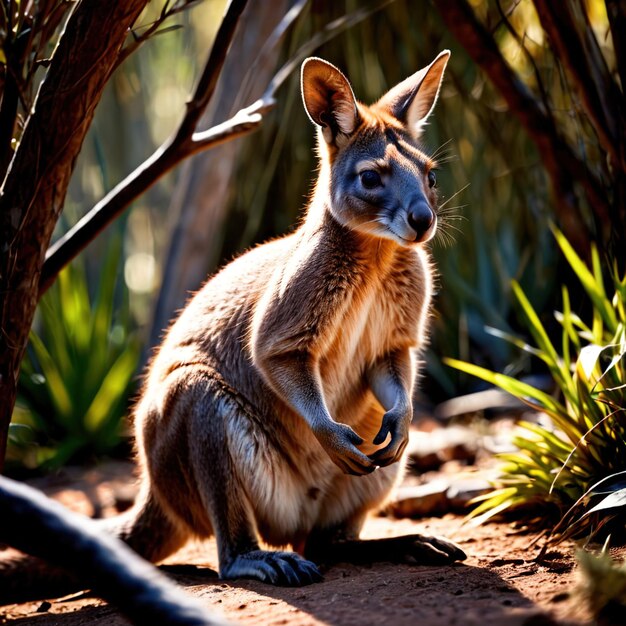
x=499, y=584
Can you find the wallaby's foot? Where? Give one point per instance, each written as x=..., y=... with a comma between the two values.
x=421, y=550
x=276, y=568
x=413, y=549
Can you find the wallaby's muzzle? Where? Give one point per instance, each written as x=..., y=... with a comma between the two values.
x=422, y=220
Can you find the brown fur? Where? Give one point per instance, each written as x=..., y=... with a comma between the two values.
x=278, y=406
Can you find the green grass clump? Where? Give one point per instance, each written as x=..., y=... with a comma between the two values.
x=574, y=468
x=77, y=372
x=602, y=586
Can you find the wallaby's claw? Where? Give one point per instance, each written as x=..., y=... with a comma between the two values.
x=395, y=423
x=389, y=454
x=286, y=569
x=340, y=441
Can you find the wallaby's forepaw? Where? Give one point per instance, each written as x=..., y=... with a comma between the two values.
x=422, y=550
x=396, y=423
x=276, y=568
x=340, y=442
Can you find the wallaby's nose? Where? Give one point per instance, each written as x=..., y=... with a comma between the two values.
x=420, y=218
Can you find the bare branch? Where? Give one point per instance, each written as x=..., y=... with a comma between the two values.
x=136, y=183
x=174, y=150
x=587, y=69
x=212, y=70
x=243, y=122
x=152, y=29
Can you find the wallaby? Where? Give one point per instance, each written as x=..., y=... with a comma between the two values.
x=278, y=405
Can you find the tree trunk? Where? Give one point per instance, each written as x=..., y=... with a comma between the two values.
x=201, y=197
x=34, y=189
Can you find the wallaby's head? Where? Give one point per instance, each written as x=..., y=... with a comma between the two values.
x=381, y=183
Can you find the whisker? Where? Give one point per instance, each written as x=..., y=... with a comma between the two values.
x=444, y=239
x=447, y=159
x=444, y=233
x=450, y=211
x=454, y=195
x=439, y=149
x=447, y=227
x=442, y=155
x=455, y=206
x=446, y=222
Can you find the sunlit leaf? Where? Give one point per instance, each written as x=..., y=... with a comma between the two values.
x=613, y=500
x=59, y=394
x=593, y=287
x=114, y=383
x=584, y=455
x=588, y=358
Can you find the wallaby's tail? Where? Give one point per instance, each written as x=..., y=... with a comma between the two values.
x=146, y=528
x=34, y=524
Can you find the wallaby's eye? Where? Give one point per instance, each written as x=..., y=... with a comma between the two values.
x=432, y=179
x=370, y=179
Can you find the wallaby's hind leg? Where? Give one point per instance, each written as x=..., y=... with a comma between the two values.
x=342, y=544
x=223, y=491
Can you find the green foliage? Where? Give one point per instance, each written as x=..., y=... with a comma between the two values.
x=77, y=372
x=477, y=295
x=576, y=465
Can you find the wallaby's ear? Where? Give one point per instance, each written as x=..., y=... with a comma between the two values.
x=413, y=100
x=328, y=99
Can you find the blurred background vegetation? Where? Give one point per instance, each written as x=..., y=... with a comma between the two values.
x=491, y=176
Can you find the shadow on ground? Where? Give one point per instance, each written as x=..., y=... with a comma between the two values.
x=350, y=595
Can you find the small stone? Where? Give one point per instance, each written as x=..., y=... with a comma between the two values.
x=462, y=491
x=44, y=607
x=560, y=597
x=429, y=450
x=421, y=500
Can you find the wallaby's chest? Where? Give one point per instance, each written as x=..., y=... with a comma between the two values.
x=386, y=311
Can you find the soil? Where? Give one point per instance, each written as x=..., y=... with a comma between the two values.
x=501, y=583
